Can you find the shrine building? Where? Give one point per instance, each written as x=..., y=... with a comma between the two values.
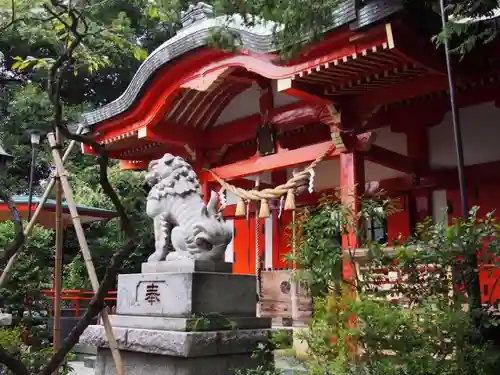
x=376, y=86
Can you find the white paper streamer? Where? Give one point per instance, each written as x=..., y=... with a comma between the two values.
x=222, y=199
x=312, y=174
x=282, y=203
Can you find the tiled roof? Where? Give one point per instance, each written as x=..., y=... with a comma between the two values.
x=198, y=26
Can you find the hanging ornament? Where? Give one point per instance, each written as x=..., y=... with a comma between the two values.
x=222, y=199
x=264, y=209
x=282, y=202
x=290, y=200
x=240, y=208
x=312, y=174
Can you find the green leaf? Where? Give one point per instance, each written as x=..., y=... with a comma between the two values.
x=59, y=27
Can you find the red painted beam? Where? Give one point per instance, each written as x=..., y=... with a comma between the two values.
x=287, y=158
x=442, y=179
x=280, y=160
x=172, y=134
x=286, y=118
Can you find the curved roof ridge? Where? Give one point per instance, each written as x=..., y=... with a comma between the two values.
x=258, y=39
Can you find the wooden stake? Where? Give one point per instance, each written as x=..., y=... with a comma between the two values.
x=39, y=208
x=58, y=264
x=293, y=282
x=113, y=346
x=257, y=250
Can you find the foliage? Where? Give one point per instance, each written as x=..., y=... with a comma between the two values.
x=54, y=49
x=319, y=240
x=146, y=23
x=297, y=23
x=107, y=236
x=10, y=339
x=409, y=316
x=294, y=23
x=22, y=293
x=75, y=275
x=463, y=33
x=263, y=355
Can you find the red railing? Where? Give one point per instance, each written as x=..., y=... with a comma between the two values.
x=78, y=299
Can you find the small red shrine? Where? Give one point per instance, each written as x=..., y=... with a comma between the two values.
x=376, y=85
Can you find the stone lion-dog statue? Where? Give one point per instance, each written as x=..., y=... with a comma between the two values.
x=184, y=227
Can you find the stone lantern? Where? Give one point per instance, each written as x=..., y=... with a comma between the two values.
x=4, y=156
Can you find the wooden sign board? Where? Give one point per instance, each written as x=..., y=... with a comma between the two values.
x=276, y=302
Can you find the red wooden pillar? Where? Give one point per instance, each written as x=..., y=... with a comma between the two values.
x=206, y=186
x=279, y=224
x=352, y=183
x=206, y=189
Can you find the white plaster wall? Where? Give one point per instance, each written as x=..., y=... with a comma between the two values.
x=439, y=206
x=247, y=104
x=392, y=141
x=480, y=126
x=231, y=198
x=243, y=105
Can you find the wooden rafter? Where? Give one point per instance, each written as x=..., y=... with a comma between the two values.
x=418, y=49
x=171, y=134
x=395, y=160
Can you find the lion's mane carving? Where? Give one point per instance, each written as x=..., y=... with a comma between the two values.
x=181, y=219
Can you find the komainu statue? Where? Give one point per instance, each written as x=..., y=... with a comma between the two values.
x=182, y=222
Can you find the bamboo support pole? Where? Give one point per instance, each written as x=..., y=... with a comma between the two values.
x=113, y=346
x=293, y=282
x=58, y=263
x=257, y=250
x=39, y=208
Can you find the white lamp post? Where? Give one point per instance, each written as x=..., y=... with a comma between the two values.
x=35, y=143
x=4, y=156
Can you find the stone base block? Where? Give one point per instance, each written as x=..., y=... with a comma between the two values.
x=186, y=294
x=179, y=344
x=153, y=364
x=207, y=323
x=187, y=265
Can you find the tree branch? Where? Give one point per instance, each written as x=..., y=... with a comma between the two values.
x=54, y=91
x=13, y=18
x=19, y=238
x=96, y=305
x=12, y=363
x=55, y=78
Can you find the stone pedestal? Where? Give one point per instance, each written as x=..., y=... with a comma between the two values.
x=183, y=318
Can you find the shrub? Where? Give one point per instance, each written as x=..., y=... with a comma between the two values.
x=33, y=359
